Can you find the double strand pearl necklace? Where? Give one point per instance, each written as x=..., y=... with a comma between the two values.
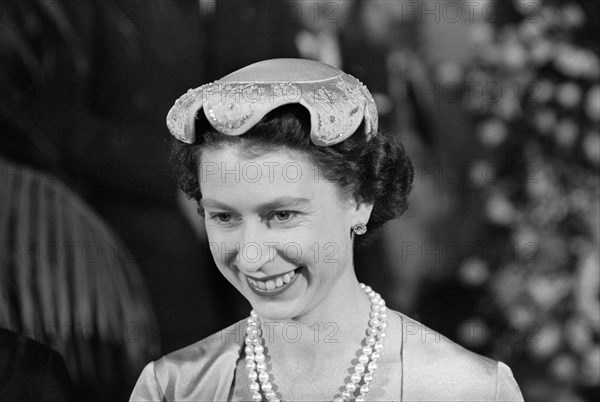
x=363, y=371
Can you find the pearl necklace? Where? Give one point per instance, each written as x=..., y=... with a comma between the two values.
x=363, y=371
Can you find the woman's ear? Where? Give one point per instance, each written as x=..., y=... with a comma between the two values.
x=362, y=213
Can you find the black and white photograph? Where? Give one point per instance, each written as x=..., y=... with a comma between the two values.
x=299, y=200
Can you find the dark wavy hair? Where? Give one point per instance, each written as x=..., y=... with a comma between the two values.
x=376, y=170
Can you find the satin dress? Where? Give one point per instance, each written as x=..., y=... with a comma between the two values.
x=432, y=368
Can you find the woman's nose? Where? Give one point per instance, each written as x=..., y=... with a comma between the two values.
x=252, y=256
x=256, y=248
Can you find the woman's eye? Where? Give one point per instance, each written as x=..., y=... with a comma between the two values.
x=221, y=218
x=224, y=217
x=283, y=216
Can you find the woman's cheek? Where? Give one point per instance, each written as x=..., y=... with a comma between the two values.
x=296, y=245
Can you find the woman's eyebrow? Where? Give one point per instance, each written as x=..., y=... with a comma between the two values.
x=285, y=202
x=276, y=203
x=208, y=202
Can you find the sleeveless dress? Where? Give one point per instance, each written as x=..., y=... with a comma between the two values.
x=433, y=369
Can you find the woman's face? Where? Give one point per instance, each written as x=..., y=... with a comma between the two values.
x=278, y=231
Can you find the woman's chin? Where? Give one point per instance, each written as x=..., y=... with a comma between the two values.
x=274, y=312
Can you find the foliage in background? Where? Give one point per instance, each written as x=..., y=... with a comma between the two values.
x=535, y=94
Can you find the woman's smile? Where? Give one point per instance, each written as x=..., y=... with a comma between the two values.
x=274, y=285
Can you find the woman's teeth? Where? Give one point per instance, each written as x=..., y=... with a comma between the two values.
x=274, y=283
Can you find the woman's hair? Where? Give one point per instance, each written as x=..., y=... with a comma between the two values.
x=376, y=170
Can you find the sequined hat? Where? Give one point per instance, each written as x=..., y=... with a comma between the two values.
x=337, y=102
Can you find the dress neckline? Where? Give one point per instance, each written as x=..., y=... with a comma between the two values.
x=241, y=355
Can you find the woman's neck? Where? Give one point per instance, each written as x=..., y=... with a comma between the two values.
x=335, y=327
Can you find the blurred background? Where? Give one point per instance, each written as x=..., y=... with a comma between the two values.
x=497, y=102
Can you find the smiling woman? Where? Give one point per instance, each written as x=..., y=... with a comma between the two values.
x=271, y=228
x=289, y=170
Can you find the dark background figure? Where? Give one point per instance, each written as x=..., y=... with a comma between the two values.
x=68, y=281
x=86, y=88
x=31, y=371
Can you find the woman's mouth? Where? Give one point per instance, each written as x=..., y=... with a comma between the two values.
x=274, y=285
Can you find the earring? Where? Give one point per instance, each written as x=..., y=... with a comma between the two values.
x=359, y=229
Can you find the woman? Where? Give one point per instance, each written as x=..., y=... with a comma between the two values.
x=289, y=169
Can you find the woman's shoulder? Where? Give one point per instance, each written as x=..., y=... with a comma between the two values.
x=444, y=370
x=227, y=340
x=203, y=369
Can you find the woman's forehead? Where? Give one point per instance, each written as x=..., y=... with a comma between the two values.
x=229, y=174
x=238, y=163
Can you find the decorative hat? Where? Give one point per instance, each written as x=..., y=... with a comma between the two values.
x=337, y=102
